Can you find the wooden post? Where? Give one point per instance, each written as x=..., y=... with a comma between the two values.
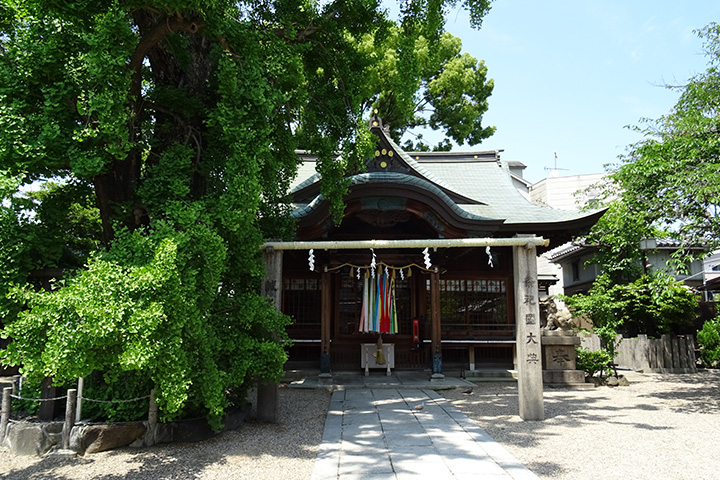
x=78, y=410
x=527, y=319
x=691, y=352
x=47, y=409
x=435, y=327
x=70, y=405
x=325, y=320
x=150, y=437
x=367, y=360
x=267, y=406
x=6, y=410
x=667, y=351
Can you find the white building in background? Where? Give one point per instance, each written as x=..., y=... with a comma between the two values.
x=570, y=192
x=712, y=266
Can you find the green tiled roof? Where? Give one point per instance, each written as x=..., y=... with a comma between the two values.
x=480, y=178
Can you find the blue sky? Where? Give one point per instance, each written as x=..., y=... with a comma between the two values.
x=571, y=75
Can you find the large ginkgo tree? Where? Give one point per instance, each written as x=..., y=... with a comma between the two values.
x=158, y=137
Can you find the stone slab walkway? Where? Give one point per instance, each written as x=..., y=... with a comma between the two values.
x=398, y=434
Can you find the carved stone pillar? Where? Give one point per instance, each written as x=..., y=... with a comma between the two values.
x=527, y=318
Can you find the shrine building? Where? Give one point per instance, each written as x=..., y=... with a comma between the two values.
x=435, y=256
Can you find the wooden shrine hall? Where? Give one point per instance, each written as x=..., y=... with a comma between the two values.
x=435, y=259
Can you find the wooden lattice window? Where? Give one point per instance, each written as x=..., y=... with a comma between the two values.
x=302, y=301
x=468, y=306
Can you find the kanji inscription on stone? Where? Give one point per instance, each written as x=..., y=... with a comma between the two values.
x=561, y=357
x=530, y=319
x=532, y=358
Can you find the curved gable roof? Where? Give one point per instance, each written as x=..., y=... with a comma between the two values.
x=476, y=188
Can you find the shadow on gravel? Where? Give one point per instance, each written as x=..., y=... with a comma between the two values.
x=495, y=406
x=690, y=393
x=159, y=465
x=215, y=457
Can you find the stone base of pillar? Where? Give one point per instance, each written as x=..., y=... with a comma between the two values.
x=325, y=363
x=436, y=377
x=267, y=402
x=559, y=360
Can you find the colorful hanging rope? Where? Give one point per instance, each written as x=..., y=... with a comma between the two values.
x=378, y=307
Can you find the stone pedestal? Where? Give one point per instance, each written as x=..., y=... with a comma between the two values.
x=559, y=357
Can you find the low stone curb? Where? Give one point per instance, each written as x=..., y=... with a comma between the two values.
x=35, y=438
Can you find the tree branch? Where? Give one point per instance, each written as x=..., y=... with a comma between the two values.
x=166, y=26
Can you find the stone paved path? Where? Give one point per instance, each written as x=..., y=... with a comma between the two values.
x=398, y=434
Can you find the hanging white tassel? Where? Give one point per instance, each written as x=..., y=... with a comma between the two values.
x=311, y=260
x=426, y=256
x=402, y=274
x=489, y=254
x=358, y=274
x=372, y=264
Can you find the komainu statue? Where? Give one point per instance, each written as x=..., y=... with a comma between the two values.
x=552, y=318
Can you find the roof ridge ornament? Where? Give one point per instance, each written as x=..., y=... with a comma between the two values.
x=376, y=122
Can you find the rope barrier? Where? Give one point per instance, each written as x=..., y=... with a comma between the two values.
x=115, y=401
x=18, y=397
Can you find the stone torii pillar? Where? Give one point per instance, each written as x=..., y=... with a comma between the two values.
x=527, y=320
x=267, y=393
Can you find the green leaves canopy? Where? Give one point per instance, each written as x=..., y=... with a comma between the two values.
x=672, y=177
x=182, y=119
x=450, y=92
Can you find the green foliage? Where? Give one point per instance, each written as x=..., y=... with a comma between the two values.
x=449, y=94
x=146, y=307
x=128, y=386
x=709, y=341
x=28, y=389
x=14, y=240
x=654, y=304
x=657, y=304
x=616, y=236
x=602, y=306
x=673, y=175
x=168, y=132
x=594, y=362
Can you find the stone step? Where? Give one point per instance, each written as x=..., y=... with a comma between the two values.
x=489, y=375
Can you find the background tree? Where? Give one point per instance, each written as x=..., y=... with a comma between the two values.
x=179, y=119
x=616, y=238
x=672, y=176
x=667, y=185
x=450, y=94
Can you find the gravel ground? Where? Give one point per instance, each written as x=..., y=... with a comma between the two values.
x=282, y=451
x=660, y=427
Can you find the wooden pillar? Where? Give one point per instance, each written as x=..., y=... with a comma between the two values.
x=47, y=408
x=435, y=335
x=527, y=319
x=325, y=321
x=268, y=393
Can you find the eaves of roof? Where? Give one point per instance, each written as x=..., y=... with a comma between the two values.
x=568, y=250
x=399, y=179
